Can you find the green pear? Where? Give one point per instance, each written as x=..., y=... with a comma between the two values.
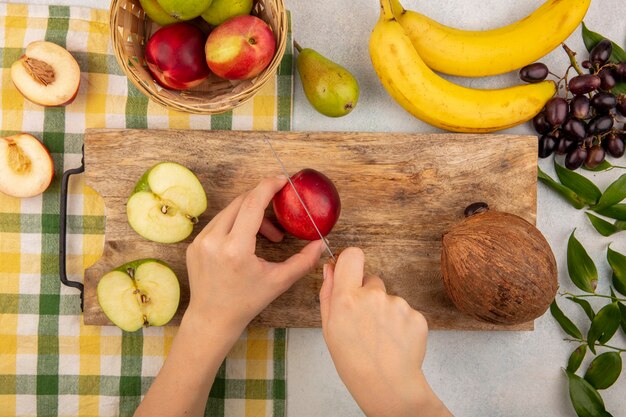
x=156, y=13
x=221, y=10
x=184, y=9
x=330, y=88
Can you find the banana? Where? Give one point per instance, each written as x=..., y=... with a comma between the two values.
x=439, y=102
x=490, y=52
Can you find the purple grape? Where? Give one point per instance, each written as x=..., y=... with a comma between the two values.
x=614, y=145
x=620, y=71
x=547, y=145
x=565, y=145
x=586, y=64
x=579, y=107
x=600, y=124
x=595, y=156
x=583, y=84
x=556, y=111
x=534, y=73
x=603, y=102
x=601, y=52
x=574, y=129
x=607, y=80
x=575, y=158
x=621, y=105
x=540, y=124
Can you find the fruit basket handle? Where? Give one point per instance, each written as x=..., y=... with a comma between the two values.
x=63, y=229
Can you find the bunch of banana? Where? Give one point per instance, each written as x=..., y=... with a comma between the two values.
x=410, y=81
x=490, y=52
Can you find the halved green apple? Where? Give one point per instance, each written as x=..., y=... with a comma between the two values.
x=166, y=203
x=145, y=292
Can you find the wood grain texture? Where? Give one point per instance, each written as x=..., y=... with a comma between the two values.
x=399, y=193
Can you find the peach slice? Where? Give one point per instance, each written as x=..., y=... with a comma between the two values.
x=26, y=167
x=47, y=74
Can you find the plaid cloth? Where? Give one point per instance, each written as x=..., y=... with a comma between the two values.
x=50, y=363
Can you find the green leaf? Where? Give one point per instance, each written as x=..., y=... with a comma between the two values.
x=576, y=358
x=603, y=227
x=585, y=189
x=582, y=270
x=566, y=324
x=604, y=165
x=614, y=194
x=618, y=265
x=591, y=39
x=565, y=192
x=622, y=309
x=586, y=400
x=617, y=211
x=604, y=370
x=586, y=306
x=604, y=325
x=620, y=88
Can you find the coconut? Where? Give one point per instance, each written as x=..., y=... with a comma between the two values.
x=498, y=267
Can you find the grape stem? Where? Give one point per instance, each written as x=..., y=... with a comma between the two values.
x=593, y=295
x=572, y=58
x=596, y=344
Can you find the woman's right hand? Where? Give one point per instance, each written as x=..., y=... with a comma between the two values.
x=377, y=342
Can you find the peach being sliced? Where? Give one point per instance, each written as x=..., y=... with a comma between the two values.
x=47, y=74
x=26, y=167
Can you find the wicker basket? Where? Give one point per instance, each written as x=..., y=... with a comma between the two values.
x=131, y=28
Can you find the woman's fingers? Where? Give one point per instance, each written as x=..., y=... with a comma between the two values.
x=374, y=282
x=223, y=221
x=252, y=212
x=349, y=271
x=270, y=231
x=326, y=292
x=298, y=265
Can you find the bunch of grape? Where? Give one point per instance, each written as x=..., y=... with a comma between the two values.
x=588, y=122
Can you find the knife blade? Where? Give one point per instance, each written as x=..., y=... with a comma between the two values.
x=306, y=209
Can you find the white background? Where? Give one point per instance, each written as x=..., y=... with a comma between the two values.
x=476, y=374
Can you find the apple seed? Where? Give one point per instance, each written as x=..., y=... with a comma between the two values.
x=193, y=219
x=164, y=209
x=145, y=320
x=17, y=159
x=39, y=70
x=131, y=273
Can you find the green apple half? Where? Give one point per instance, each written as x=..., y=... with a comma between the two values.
x=166, y=203
x=145, y=292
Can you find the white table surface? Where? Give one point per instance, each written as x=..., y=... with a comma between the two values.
x=475, y=373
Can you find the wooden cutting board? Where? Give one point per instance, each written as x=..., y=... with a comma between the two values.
x=399, y=194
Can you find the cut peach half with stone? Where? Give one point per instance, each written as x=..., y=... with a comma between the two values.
x=47, y=74
x=26, y=167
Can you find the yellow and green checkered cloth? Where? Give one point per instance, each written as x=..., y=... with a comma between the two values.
x=50, y=363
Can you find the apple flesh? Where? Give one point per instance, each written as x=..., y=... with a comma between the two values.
x=321, y=198
x=240, y=48
x=26, y=167
x=166, y=203
x=175, y=56
x=221, y=10
x=145, y=292
x=47, y=74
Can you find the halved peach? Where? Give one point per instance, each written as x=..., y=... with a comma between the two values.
x=26, y=167
x=47, y=74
